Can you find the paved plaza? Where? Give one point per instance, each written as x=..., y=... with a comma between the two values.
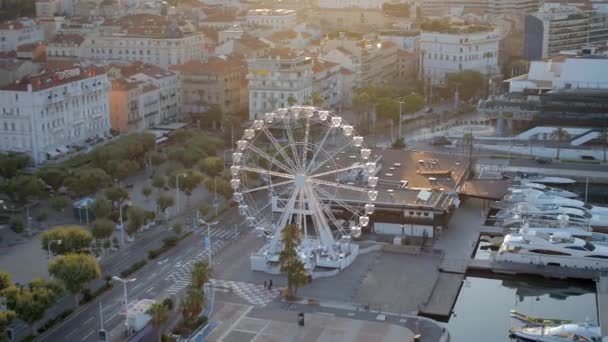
x=240, y=324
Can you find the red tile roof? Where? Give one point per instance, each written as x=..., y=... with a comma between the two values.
x=214, y=66
x=319, y=65
x=28, y=47
x=143, y=68
x=252, y=42
x=11, y=25
x=71, y=39
x=52, y=77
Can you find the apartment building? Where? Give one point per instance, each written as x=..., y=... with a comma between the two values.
x=47, y=8
x=276, y=79
x=493, y=7
x=563, y=27
x=44, y=114
x=19, y=32
x=134, y=105
x=146, y=38
x=65, y=46
x=219, y=81
x=326, y=81
x=276, y=19
x=372, y=60
x=455, y=47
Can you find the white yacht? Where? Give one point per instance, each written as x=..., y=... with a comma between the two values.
x=538, y=197
x=539, y=178
x=546, y=189
x=571, y=332
x=578, y=215
x=529, y=246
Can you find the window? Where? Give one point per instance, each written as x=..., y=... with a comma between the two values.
x=597, y=256
x=589, y=246
x=577, y=248
x=547, y=252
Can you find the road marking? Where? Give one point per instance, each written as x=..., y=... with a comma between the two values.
x=150, y=289
x=136, y=286
x=162, y=268
x=88, y=320
x=152, y=276
x=189, y=249
x=111, y=317
x=71, y=332
x=88, y=335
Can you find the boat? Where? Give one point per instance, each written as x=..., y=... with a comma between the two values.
x=538, y=178
x=578, y=215
x=544, y=188
x=538, y=197
x=569, y=332
x=536, y=320
x=529, y=246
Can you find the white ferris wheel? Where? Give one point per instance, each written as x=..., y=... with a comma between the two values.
x=305, y=166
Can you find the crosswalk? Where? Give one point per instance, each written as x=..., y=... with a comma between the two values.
x=256, y=294
x=182, y=277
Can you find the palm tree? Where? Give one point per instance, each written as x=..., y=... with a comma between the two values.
x=160, y=314
x=290, y=262
x=604, y=140
x=193, y=304
x=560, y=135
x=200, y=274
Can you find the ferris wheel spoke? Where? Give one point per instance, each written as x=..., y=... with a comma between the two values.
x=294, y=152
x=331, y=157
x=272, y=160
x=266, y=172
x=344, y=169
x=337, y=201
x=269, y=202
x=319, y=147
x=322, y=226
x=266, y=187
x=305, y=147
x=279, y=149
x=337, y=185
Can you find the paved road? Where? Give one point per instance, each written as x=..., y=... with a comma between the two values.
x=160, y=278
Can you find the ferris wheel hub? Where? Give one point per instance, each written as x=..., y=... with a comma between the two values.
x=299, y=180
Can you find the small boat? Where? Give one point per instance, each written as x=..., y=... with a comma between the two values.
x=570, y=332
x=530, y=320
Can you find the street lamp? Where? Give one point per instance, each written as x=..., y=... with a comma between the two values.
x=400, y=113
x=124, y=282
x=177, y=191
x=201, y=221
x=49, y=246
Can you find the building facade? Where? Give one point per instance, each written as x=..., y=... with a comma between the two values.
x=558, y=28
x=19, y=32
x=45, y=114
x=134, y=105
x=47, y=8
x=494, y=7
x=219, y=81
x=442, y=53
x=327, y=83
x=65, y=46
x=276, y=19
x=276, y=79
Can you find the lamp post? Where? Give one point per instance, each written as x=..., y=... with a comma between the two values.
x=124, y=282
x=48, y=247
x=177, y=191
x=201, y=221
x=400, y=113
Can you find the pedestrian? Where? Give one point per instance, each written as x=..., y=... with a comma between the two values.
x=270, y=285
x=265, y=287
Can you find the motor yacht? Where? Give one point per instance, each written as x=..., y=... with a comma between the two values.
x=538, y=178
x=539, y=197
x=570, y=332
x=578, y=215
x=541, y=187
x=530, y=246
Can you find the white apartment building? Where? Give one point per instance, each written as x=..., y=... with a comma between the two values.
x=344, y=4
x=327, y=83
x=146, y=38
x=19, y=32
x=558, y=27
x=275, y=77
x=442, y=53
x=494, y=7
x=65, y=46
x=44, y=114
x=276, y=19
x=47, y=8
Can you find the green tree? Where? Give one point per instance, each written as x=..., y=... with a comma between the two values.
x=116, y=195
x=53, y=176
x=121, y=169
x=137, y=218
x=155, y=157
x=88, y=181
x=24, y=187
x=561, y=135
x=102, y=208
x=212, y=166
x=6, y=317
x=291, y=100
x=11, y=163
x=59, y=203
x=158, y=181
x=74, y=239
x=5, y=280
x=398, y=144
x=102, y=228
x=164, y=201
x=146, y=191
x=214, y=115
x=193, y=304
x=412, y=103
x=16, y=224
x=290, y=262
x=177, y=228
x=190, y=182
x=387, y=108
x=75, y=271
x=200, y=274
x=468, y=83
x=159, y=314
x=316, y=99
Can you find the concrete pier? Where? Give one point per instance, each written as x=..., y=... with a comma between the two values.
x=602, y=303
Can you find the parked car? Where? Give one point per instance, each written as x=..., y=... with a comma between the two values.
x=543, y=160
x=587, y=157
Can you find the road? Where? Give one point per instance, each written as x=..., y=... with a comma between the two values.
x=163, y=277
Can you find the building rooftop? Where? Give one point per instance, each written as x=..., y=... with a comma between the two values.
x=270, y=11
x=67, y=39
x=454, y=27
x=319, y=65
x=214, y=66
x=55, y=75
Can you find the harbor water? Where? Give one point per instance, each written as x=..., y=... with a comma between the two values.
x=481, y=312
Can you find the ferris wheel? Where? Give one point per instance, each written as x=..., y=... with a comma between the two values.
x=305, y=166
